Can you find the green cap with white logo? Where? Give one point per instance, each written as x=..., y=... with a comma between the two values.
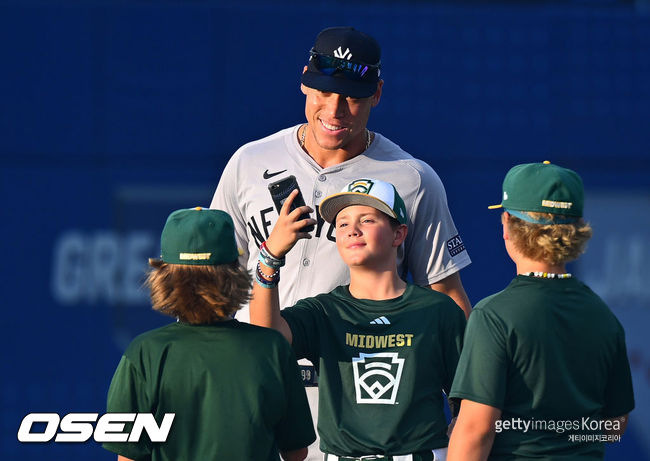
x=199, y=237
x=543, y=188
x=374, y=193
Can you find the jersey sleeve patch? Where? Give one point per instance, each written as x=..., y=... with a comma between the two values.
x=455, y=245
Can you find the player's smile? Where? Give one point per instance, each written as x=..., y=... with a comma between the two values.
x=331, y=126
x=332, y=132
x=336, y=123
x=338, y=119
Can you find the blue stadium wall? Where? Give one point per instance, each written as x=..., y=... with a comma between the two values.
x=114, y=113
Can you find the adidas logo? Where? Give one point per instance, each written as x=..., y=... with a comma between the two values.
x=380, y=321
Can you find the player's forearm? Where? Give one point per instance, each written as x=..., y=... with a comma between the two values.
x=473, y=434
x=265, y=308
x=262, y=306
x=452, y=286
x=468, y=445
x=265, y=305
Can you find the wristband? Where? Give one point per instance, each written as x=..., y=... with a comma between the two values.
x=262, y=261
x=265, y=284
x=268, y=259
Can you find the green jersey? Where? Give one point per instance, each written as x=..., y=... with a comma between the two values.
x=382, y=366
x=551, y=355
x=235, y=389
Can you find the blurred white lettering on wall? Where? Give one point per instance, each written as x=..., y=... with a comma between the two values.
x=101, y=267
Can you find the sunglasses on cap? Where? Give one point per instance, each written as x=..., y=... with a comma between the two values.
x=329, y=65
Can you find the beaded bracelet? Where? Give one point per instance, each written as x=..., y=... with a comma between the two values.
x=264, y=284
x=268, y=259
x=269, y=277
x=266, y=281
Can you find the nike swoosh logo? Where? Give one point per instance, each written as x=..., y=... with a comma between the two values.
x=268, y=175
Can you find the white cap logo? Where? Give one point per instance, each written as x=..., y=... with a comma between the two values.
x=338, y=53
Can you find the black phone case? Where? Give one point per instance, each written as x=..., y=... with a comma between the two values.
x=281, y=189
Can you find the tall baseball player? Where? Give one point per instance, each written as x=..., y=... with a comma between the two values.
x=342, y=84
x=544, y=372
x=385, y=349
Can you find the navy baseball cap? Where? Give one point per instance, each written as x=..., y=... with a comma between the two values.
x=345, y=61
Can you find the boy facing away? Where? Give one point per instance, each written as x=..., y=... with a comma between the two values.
x=384, y=348
x=544, y=372
x=235, y=388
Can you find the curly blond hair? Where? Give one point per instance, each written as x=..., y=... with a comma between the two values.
x=551, y=243
x=198, y=294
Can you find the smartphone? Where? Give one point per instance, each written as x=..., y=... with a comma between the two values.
x=281, y=189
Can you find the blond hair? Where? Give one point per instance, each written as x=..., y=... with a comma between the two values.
x=551, y=243
x=198, y=294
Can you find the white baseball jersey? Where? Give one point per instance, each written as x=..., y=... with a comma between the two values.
x=432, y=251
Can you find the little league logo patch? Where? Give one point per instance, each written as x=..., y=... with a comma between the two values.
x=361, y=186
x=377, y=377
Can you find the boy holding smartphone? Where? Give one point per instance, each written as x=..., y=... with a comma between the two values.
x=384, y=348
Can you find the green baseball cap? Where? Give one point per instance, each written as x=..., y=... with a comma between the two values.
x=543, y=188
x=374, y=193
x=199, y=237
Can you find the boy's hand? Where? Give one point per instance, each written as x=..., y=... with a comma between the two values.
x=287, y=230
